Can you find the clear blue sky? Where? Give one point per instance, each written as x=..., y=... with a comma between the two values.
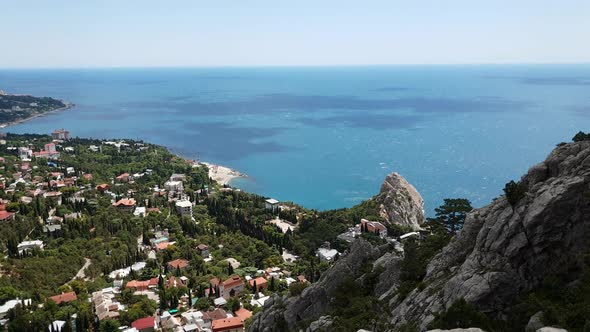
x=80, y=33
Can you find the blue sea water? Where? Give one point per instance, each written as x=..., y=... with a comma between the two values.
x=326, y=137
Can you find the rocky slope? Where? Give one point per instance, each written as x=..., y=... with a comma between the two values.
x=502, y=251
x=400, y=203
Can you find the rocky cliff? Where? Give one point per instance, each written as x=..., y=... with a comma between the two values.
x=502, y=251
x=400, y=203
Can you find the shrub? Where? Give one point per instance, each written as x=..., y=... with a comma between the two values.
x=514, y=192
x=462, y=315
x=581, y=136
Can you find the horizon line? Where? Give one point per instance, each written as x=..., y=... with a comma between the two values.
x=301, y=65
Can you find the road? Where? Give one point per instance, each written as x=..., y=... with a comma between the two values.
x=81, y=273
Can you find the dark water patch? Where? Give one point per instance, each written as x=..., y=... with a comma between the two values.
x=276, y=102
x=371, y=121
x=554, y=80
x=227, y=142
x=392, y=89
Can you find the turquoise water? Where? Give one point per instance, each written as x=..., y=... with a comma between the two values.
x=326, y=137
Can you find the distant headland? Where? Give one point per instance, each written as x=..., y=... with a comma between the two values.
x=20, y=108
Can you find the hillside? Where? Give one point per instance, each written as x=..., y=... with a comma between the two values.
x=15, y=108
x=523, y=257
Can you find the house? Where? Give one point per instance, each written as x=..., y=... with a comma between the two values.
x=177, y=177
x=178, y=264
x=11, y=304
x=64, y=298
x=233, y=262
x=105, y=305
x=216, y=314
x=175, y=186
x=408, y=235
x=6, y=216
x=142, y=285
x=49, y=152
x=147, y=324
x=231, y=287
x=29, y=245
x=70, y=170
x=326, y=255
x=125, y=204
x=243, y=314
x=272, y=205
x=54, y=196
x=123, y=178
x=140, y=211
x=231, y=324
x=60, y=134
x=373, y=227
x=102, y=187
x=184, y=208
x=261, y=284
x=219, y=302
x=203, y=249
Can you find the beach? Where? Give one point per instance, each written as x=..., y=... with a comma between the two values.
x=222, y=174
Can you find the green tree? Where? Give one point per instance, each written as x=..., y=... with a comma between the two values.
x=452, y=213
x=109, y=325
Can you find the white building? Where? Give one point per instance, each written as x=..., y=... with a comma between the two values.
x=70, y=170
x=11, y=304
x=327, y=255
x=140, y=211
x=28, y=245
x=184, y=207
x=175, y=186
x=272, y=204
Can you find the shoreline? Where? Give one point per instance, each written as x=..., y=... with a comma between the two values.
x=222, y=174
x=16, y=122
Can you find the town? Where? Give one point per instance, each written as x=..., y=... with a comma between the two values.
x=142, y=240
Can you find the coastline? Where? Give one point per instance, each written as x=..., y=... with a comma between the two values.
x=8, y=124
x=222, y=174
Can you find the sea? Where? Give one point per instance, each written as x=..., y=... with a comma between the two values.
x=326, y=137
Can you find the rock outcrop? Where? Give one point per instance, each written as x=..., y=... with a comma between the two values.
x=505, y=250
x=400, y=203
x=314, y=301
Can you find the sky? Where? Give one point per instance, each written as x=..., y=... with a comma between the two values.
x=134, y=33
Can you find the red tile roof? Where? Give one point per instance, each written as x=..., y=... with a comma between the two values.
x=226, y=324
x=178, y=263
x=5, y=215
x=259, y=282
x=102, y=187
x=243, y=313
x=64, y=297
x=123, y=176
x=125, y=202
x=144, y=323
x=214, y=315
x=233, y=281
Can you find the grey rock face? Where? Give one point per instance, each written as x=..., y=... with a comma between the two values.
x=535, y=322
x=400, y=203
x=322, y=324
x=314, y=301
x=505, y=250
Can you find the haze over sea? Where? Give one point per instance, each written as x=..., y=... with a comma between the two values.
x=325, y=137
